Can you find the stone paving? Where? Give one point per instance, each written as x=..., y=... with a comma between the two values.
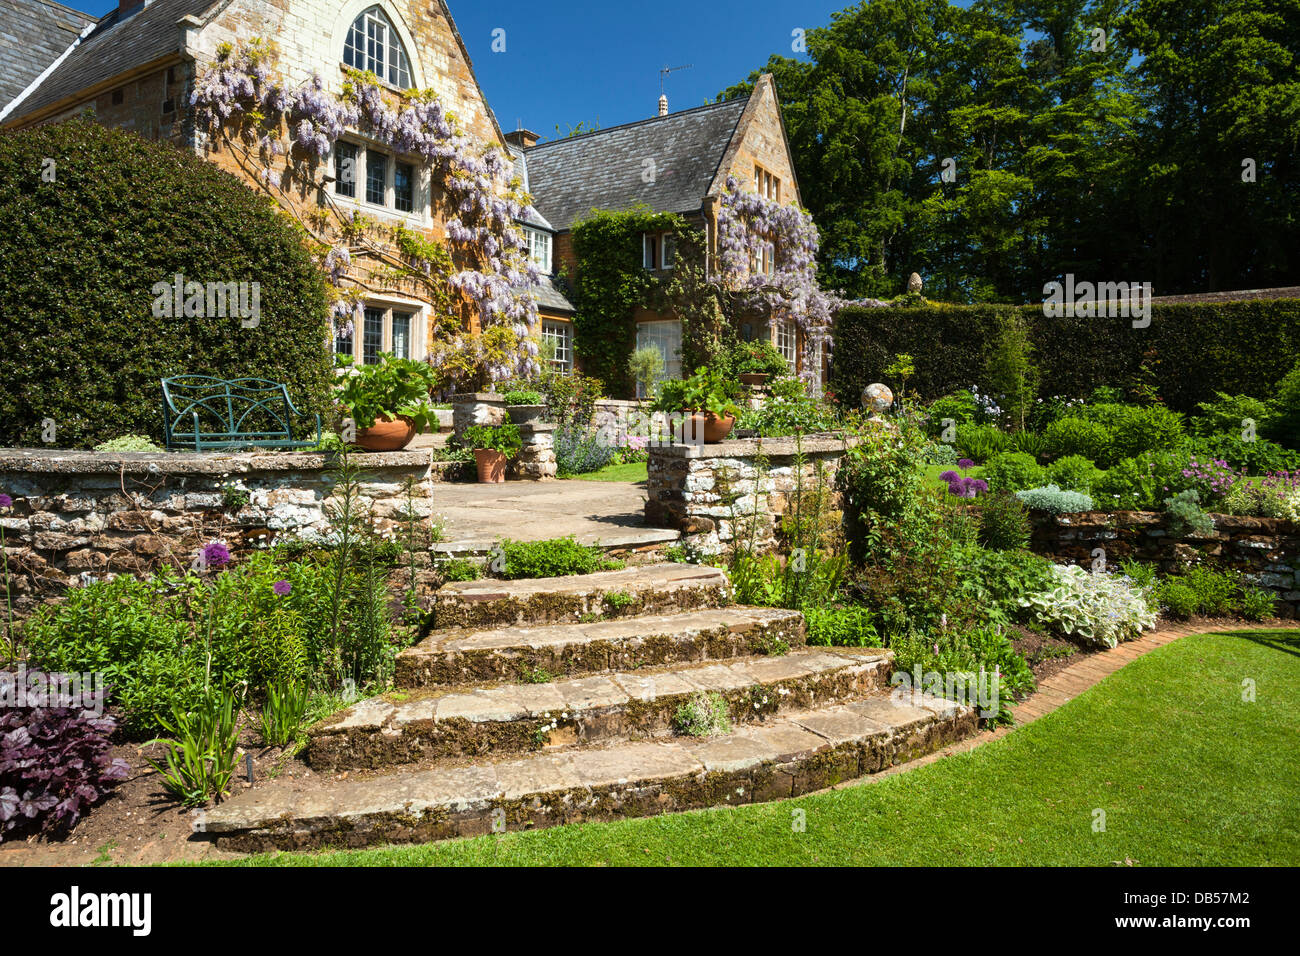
x=609, y=513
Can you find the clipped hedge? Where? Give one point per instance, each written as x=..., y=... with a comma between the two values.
x=81, y=257
x=1191, y=350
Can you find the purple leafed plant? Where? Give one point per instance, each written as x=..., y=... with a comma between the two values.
x=54, y=765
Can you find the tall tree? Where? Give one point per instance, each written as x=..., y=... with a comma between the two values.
x=1222, y=85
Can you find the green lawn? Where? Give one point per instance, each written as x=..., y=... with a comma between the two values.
x=636, y=471
x=1185, y=770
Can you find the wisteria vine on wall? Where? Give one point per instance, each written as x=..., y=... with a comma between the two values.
x=241, y=99
x=750, y=225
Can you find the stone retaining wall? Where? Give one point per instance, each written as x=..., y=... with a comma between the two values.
x=1265, y=550
x=705, y=490
x=79, y=515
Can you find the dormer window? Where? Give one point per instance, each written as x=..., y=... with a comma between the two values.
x=373, y=44
x=539, y=249
x=766, y=185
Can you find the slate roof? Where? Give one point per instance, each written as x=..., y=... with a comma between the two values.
x=33, y=34
x=531, y=216
x=116, y=45
x=549, y=297
x=603, y=170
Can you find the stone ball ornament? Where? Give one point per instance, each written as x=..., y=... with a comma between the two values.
x=877, y=398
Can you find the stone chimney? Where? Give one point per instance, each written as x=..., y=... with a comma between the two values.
x=663, y=102
x=522, y=138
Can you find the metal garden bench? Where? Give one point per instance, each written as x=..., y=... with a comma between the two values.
x=202, y=413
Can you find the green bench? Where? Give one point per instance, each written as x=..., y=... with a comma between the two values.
x=202, y=413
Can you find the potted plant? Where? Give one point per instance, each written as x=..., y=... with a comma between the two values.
x=524, y=406
x=755, y=362
x=493, y=447
x=708, y=397
x=388, y=401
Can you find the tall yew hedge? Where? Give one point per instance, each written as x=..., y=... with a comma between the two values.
x=79, y=257
x=1188, y=352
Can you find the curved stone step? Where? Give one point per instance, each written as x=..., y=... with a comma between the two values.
x=781, y=757
x=430, y=725
x=648, y=589
x=522, y=653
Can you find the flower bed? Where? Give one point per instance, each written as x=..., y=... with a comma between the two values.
x=1265, y=550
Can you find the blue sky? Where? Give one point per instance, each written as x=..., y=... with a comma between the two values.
x=568, y=62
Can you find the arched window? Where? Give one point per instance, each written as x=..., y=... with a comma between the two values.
x=374, y=45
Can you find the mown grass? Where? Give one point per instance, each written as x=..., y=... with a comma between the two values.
x=633, y=471
x=1187, y=772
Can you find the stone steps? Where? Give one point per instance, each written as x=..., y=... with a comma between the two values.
x=648, y=589
x=781, y=757
x=440, y=724
x=517, y=654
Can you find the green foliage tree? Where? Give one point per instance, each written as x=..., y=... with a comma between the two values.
x=999, y=146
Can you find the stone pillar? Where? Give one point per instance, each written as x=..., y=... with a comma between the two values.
x=536, y=459
x=477, y=408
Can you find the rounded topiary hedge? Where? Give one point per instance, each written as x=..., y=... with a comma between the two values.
x=79, y=260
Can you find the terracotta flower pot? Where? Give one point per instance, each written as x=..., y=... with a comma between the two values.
x=491, y=465
x=716, y=428
x=753, y=378
x=387, y=434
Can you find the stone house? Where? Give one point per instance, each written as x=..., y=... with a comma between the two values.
x=135, y=68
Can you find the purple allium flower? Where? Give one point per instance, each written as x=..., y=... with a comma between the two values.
x=216, y=554
x=6, y=501
x=979, y=484
x=964, y=463
x=950, y=477
x=282, y=587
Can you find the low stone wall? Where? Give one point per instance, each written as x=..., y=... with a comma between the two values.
x=1265, y=550
x=705, y=490
x=79, y=515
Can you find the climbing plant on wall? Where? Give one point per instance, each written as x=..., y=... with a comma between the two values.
x=610, y=283
x=282, y=136
x=751, y=226
x=707, y=297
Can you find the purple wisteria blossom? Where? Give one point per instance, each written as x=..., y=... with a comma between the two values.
x=239, y=89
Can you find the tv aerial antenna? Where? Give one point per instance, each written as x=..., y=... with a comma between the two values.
x=663, y=73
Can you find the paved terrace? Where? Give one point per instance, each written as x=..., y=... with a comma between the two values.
x=605, y=512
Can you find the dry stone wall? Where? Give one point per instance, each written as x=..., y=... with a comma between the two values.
x=709, y=492
x=78, y=516
x=1265, y=550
